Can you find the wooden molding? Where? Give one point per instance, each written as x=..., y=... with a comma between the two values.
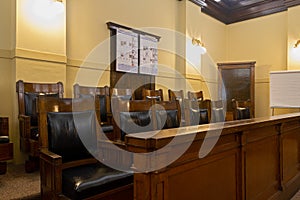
x=230, y=12
x=37, y=55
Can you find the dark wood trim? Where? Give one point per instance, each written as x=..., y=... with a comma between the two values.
x=113, y=25
x=229, y=13
x=253, y=159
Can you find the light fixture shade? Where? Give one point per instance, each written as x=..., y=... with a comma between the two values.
x=297, y=44
x=58, y=7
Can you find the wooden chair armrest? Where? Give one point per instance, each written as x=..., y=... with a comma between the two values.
x=50, y=173
x=50, y=157
x=23, y=116
x=24, y=125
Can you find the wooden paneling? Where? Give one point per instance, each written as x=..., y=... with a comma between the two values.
x=262, y=168
x=255, y=159
x=290, y=147
x=206, y=180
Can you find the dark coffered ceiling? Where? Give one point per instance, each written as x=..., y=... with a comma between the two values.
x=231, y=11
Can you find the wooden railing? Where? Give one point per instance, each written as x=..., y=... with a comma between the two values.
x=252, y=159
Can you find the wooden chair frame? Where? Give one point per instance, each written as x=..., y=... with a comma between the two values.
x=175, y=95
x=241, y=104
x=152, y=93
x=193, y=104
x=51, y=163
x=90, y=90
x=121, y=92
x=193, y=95
x=27, y=144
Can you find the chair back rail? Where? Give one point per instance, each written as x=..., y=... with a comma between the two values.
x=50, y=104
x=28, y=87
x=195, y=95
x=143, y=106
x=150, y=94
x=175, y=95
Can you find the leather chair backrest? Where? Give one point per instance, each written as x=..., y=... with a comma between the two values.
x=167, y=119
x=196, y=96
x=218, y=115
x=199, y=116
x=103, y=103
x=135, y=122
x=243, y=113
x=30, y=105
x=67, y=130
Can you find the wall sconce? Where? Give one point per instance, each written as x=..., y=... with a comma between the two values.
x=58, y=6
x=297, y=43
x=200, y=44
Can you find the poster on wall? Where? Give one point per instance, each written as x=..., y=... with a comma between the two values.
x=148, y=55
x=127, y=51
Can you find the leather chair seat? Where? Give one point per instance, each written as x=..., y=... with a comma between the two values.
x=135, y=122
x=85, y=181
x=4, y=139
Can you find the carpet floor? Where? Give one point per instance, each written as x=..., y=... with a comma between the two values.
x=17, y=184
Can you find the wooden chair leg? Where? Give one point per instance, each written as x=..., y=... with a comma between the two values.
x=32, y=164
x=3, y=167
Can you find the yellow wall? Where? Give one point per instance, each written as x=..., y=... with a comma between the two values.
x=293, y=36
x=37, y=25
x=263, y=40
x=213, y=34
x=87, y=31
x=32, y=48
x=7, y=41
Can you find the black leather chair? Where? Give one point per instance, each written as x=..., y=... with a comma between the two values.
x=103, y=93
x=178, y=95
x=68, y=169
x=143, y=115
x=197, y=112
x=28, y=122
x=241, y=109
x=168, y=114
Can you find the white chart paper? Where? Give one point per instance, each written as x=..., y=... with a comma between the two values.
x=127, y=51
x=148, y=55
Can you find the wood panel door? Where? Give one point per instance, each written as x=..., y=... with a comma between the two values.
x=236, y=82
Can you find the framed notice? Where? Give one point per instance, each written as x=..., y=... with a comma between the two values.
x=127, y=51
x=148, y=55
